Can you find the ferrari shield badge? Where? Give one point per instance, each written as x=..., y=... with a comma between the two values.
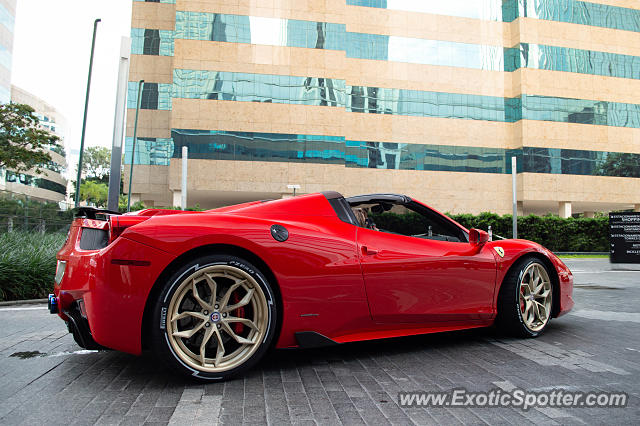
x=500, y=251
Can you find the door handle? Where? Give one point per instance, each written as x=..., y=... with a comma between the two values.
x=366, y=251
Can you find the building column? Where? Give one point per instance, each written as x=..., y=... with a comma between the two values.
x=590, y=215
x=564, y=209
x=636, y=208
x=177, y=198
x=520, y=206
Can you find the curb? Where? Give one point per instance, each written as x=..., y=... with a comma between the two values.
x=24, y=302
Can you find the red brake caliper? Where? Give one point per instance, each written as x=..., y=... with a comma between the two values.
x=238, y=327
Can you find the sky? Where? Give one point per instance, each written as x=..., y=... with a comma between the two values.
x=51, y=50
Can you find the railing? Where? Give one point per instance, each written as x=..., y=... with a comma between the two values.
x=19, y=212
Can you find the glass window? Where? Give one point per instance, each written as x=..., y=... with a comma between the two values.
x=35, y=182
x=149, y=151
x=154, y=95
x=258, y=88
x=571, y=11
x=405, y=219
x=323, y=35
x=152, y=42
x=7, y=18
x=246, y=87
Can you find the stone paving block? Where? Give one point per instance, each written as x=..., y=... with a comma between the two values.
x=349, y=384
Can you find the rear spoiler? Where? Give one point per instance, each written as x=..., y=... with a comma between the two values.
x=93, y=213
x=103, y=214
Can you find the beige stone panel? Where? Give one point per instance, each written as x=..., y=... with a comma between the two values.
x=237, y=57
x=426, y=26
x=157, y=69
x=310, y=10
x=425, y=130
x=151, y=123
x=258, y=117
x=579, y=86
x=151, y=181
x=576, y=188
x=487, y=192
x=553, y=33
x=631, y=4
x=364, y=72
x=157, y=16
x=548, y=134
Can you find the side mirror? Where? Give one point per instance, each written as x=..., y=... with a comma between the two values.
x=478, y=237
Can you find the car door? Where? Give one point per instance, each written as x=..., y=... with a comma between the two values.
x=411, y=279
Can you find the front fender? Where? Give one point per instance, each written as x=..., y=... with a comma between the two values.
x=512, y=250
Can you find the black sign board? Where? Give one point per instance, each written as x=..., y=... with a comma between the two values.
x=624, y=235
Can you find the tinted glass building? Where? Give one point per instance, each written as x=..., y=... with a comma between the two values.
x=431, y=99
x=7, y=24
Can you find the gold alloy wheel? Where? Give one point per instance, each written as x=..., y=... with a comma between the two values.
x=535, y=297
x=217, y=318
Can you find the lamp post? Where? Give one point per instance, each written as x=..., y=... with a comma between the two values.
x=514, y=171
x=135, y=139
x=86, y=108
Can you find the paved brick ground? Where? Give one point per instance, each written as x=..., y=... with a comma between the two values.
x=595, y=348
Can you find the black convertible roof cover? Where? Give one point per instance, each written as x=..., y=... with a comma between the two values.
x=373, y=198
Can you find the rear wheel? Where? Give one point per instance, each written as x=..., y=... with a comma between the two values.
x=525, y=299
x=215, y=318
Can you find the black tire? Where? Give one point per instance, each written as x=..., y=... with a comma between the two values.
x=177, y=352
x=510, y=318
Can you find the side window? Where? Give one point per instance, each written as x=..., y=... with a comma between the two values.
x=398, y=219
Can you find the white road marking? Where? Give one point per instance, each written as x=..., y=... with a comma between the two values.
x=81, y=352
x=32, y=308
x=546, y=354
x=607, y=315
x=196, y=408
x=554, y=413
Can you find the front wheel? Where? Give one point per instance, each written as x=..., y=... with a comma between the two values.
x=215, y=318
x=525, y=299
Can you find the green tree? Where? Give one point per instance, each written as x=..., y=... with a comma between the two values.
x=94, y=192
x=23, y=144
x=96, y=163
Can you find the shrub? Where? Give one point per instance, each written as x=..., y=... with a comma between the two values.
x=28, y=264
x=553, y=232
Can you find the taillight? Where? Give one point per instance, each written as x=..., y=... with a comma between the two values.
x=60, y=268
x=117, y=224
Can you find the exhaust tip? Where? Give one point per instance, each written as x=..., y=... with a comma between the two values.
x=53, y=303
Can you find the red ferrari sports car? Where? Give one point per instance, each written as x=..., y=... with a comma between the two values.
x=210, y=292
